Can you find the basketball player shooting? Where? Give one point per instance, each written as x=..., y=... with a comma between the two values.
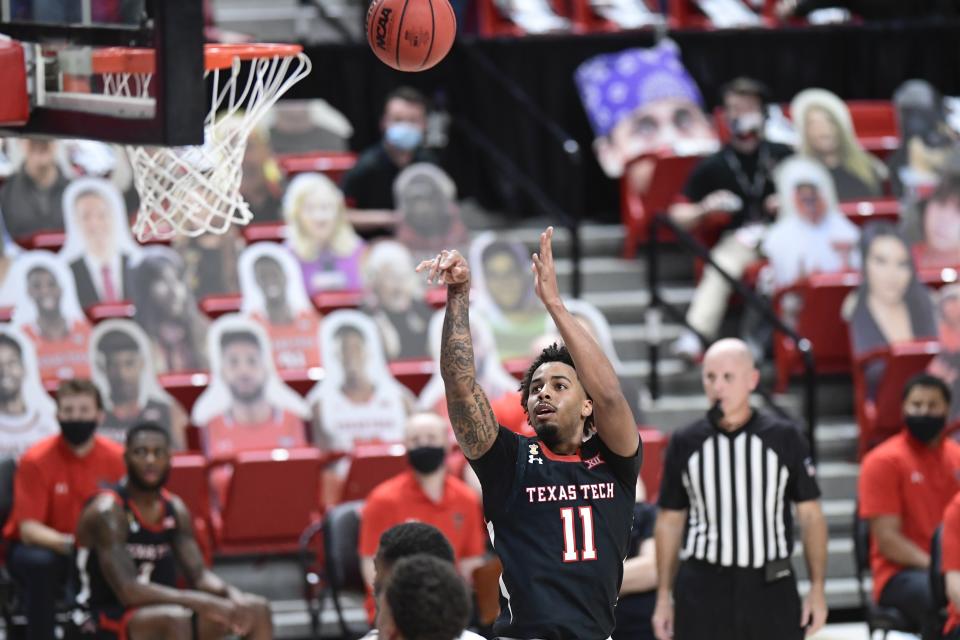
x=559, y=505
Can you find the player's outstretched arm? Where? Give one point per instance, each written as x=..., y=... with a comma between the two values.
x=103, y=527
x=472, y=418
x=612, y=414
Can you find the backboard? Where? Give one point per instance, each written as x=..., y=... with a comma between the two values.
x=67, y=75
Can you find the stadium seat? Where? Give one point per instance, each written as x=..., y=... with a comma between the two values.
x=637, y=209
x=329, y=301
x=654, y=449
x=878, y=618
x=938, y=585
x=188, y=479
x=341, y=562
x=123, y=310
x=48, y=240
x=264, y=232
x=185, y=387
x=491, y=23
x=863, y=212
x=879, y=416
x=875, y=123
x=214, y=306
x=414, y=373
x=301, y=380
x=8, y=469
x=331, y=163
x=684, y=14
x=819, y=321
x=371, y=464
x=517, y=367
x=273, y=496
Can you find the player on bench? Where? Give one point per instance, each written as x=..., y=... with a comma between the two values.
x=131, y=540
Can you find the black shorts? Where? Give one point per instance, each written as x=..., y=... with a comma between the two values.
x=734, y=604
x=107, y=624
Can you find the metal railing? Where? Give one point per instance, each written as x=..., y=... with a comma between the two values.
x=663, y=222
x=569, y=215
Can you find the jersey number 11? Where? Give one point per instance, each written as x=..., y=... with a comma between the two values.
x=570, y=553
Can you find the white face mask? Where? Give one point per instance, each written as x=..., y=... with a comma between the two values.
x=403, y=136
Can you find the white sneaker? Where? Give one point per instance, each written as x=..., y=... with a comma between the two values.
x=688, y=346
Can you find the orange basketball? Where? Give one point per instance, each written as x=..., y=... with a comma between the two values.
x=411, y=35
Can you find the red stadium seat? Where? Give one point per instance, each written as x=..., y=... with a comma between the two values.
x=6, y=314
x=819, y=322
x=48, y=240
x=188, y=479
x=264, y=232
x=638, y=209
x=331, y=163
x=654, y=449
x=879, y=416
x=273, y=496
x=491, y=23
x=185, y=387
x=301, y=380
x=436, y=297
x=414, y=373
x=517, y=367
x=936, y=278
x=327, y=301
x=370, y=465
x=216, y=305
x=875, y=123
x=862, y=212
x=123, y=309
x=684, y=14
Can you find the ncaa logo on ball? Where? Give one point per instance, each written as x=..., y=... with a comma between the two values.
x=382, y=22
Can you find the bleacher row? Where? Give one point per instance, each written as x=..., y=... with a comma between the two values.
x=583, y=16
x=823, y=295
x=258, y=513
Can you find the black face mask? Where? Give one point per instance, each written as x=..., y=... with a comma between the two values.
x=925, y=428
x=77, y=432
x=426, y=459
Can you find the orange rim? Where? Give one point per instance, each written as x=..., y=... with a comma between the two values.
x=215, y=56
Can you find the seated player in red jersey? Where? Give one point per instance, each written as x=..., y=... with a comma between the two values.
x=132, y=539
x=559, y=506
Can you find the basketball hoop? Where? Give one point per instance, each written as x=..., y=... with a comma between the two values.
x=196, y=189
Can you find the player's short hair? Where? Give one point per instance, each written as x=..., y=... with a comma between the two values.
x=116, y=340
x=239, y=335
x=927, y=381
x=41, y=267
x=749, y=87
x=86, y=193
x=147, y=427
x=7, y=341
x=79, y=387
x=553, y=353
x=412, y=538
x=407, y=94
x=427, y=598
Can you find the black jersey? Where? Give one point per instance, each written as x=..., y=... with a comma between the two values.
x=561, y=526
x=149, y=545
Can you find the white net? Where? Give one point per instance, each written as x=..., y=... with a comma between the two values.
x=196, y=189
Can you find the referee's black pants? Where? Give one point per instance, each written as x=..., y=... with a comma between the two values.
x=730, y=603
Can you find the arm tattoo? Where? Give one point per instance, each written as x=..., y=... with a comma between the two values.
x=470, y=414
x=109, y=540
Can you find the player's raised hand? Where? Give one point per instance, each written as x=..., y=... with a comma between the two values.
x=449, y=268
x=545, y=271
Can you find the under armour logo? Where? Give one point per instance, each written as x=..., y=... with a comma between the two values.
x=916, y=477
x=61, y=488
x=534, y=455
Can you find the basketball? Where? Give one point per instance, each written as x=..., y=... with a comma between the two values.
x=411, y=35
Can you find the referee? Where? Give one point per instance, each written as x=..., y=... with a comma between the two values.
x=724, y=533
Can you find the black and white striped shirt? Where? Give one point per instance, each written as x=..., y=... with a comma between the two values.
x=737, y=488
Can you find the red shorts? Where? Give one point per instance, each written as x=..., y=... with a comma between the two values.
x=108, y=624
